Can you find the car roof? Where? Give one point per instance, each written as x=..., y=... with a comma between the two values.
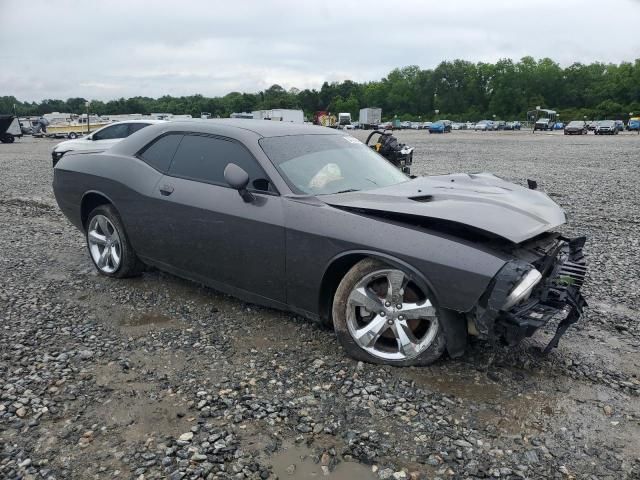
x=141, y=120
x=263, y=128
x=244, y=130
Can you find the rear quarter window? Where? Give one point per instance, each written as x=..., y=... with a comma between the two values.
x=160, y=152
x=134, y=127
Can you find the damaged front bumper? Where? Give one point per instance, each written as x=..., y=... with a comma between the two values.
x=545, y=279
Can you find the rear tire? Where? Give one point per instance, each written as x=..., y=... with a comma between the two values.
x=381, y=332
x=108, y=244
x=72, y=136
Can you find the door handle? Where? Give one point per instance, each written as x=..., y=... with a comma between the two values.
x=166, y=190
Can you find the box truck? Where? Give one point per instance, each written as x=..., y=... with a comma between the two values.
x=370, y=117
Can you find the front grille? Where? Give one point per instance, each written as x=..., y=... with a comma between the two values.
x=571, y=269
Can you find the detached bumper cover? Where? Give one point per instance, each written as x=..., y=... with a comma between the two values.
x=563, y=270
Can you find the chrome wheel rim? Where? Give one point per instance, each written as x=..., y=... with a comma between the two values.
x=390, y=317
x=104, y=244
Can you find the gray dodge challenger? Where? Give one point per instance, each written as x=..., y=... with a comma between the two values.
x=310, y=220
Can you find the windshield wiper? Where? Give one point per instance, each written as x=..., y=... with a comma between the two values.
x=347, y=190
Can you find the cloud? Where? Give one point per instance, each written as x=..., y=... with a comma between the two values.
x=109, y=49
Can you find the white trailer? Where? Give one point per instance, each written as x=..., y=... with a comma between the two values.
x=280, y=115
x=370, y=117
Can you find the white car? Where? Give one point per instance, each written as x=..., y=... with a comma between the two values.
x=102, y=138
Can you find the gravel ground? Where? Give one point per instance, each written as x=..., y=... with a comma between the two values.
x=156, y=377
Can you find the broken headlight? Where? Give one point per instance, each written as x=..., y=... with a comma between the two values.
x=523, y=289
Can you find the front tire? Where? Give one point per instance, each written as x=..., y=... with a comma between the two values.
x=380, y=315
x=108, y=244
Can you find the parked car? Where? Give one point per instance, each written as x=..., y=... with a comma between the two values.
x=576, y=127
x=447, y=125
x=606, y=127
x=620, y=125
x=405, y=124
x=633, y=124
x=415, y=125
x=470, y=125
x=543, y=124
x=426, y=125
x=438, y=127
x=281, y=214
x=102, y=138
x=591, y=126
x=483, y=125
x=500, y=125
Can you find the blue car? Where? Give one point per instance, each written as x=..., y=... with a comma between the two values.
x=437, y=127
x=633, y=125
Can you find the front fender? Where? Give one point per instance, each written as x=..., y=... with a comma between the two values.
x=453, y=324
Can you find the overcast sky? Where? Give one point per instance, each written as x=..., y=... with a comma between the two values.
x=108, y=49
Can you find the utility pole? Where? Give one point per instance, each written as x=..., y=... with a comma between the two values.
x=86, y=104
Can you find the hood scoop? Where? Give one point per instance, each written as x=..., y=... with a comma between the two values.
x=422, y=198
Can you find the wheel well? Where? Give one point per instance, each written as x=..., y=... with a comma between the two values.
x=332, y=276
x=89, y=202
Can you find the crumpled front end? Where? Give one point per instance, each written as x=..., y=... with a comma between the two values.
x=543, y=280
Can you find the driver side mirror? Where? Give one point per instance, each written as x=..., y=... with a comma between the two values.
x=237, y=178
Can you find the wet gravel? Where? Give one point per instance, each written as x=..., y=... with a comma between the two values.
x=157, y=377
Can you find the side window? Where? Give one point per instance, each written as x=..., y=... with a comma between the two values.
x=134, y=127
x=160, y=153
x=120, y=130
x=205, y=158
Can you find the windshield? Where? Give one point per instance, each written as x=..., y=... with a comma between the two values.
x=576, y=123
x=325, y=164
x=606, y=123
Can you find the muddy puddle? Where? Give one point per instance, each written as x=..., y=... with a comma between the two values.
x=297, y=462
x=138, y=404
x=145, y=319
x=469, y=385
x=137, y=324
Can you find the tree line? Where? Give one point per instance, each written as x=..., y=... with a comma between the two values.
x=459, y=90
